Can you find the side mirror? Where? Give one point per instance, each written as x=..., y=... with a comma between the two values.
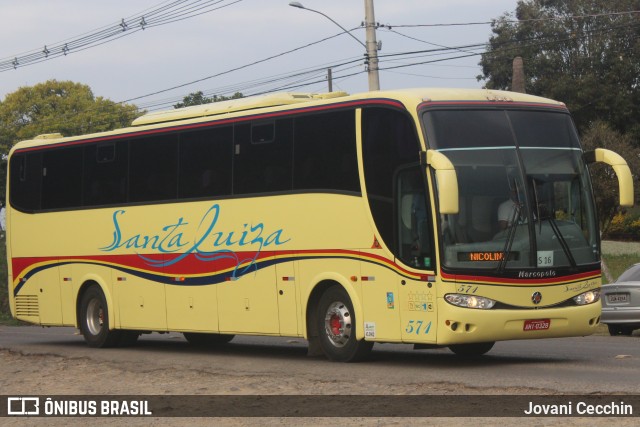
x=446, y=179
x=620, y=167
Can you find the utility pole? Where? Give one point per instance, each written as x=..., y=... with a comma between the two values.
x=330, y=79
x=372, y=46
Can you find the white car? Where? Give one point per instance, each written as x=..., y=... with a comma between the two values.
x=621, y=302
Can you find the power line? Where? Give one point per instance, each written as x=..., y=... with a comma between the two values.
x=516, y=21
x=167, y=13
x=308, y=77
x=233, y=69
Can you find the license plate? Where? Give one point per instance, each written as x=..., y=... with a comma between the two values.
x=618, y=297
x=536, y=325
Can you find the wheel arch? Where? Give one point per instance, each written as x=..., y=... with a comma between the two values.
x=322, y=283
x=87, y=282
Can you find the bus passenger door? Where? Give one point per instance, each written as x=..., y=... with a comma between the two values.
x=418, y=311
x=287, y=298
x=415, y=249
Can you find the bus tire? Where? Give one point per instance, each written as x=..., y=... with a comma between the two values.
x=336, y=327
x=615, y=330
x=472, y=350
x=94, y=319
x=198, y=339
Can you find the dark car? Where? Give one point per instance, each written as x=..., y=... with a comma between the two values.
x=621, y=302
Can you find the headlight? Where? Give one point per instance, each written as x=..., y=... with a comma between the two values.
x=588, y=297
x=470, y=301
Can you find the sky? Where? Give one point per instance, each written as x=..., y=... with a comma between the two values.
x=206, y=48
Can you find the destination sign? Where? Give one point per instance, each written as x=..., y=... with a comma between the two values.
x=491, y=256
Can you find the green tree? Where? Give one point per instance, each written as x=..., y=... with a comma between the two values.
x=603, y=178
x=65, y=107
x=198, y=98
x=585, y=53
x=57, y=107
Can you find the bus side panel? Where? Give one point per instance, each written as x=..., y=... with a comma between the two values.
x=45, y=286
x=141, y=302
x=247, y=302
x=68, y=291
x=380, y=302
x=192, y=308
x=288, y=296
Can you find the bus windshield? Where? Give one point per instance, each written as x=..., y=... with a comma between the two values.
x=524, y=191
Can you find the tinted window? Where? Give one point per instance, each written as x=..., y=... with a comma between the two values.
x=389, y=143
x=492, y=128
x=543, y=129
x=105, y=173
x=62, y=178
x=325, y=152
x=26, y=181
x=206, y=159
x=153, y=168
x=264, y=165
x=468, y=128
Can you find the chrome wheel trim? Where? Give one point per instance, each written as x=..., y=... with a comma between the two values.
x=337, y=324
x=95, y=316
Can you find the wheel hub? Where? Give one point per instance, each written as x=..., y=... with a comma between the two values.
x=95, y=317
x=337, y=324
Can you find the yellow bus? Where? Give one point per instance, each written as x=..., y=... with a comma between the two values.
x=438, y=217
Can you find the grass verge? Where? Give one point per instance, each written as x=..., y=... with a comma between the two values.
x=617, y=264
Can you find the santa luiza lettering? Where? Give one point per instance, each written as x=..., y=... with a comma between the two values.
x=207, y=242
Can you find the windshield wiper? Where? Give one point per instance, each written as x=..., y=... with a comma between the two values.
x=554, y=226
x=563, y=241
x=535, y=195
x=506, y=251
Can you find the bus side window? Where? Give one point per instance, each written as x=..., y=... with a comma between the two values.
x=153, y=168
x=325, y=152
x=389, y=144
x=25, y=181
x=62, y=178
x=206, y=158
x=105, y=173
x=263, y=156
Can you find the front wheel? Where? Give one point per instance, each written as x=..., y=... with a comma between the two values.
x=471, y=350
x=336, y=327
x=619, y=330
x=94, y=319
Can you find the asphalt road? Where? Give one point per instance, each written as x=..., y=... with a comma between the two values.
x=585, y=365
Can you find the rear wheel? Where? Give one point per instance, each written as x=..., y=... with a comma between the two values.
x=206, y=340
x=336, y=327
x=619, y=330
x=471, y=350
x=94, y=319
